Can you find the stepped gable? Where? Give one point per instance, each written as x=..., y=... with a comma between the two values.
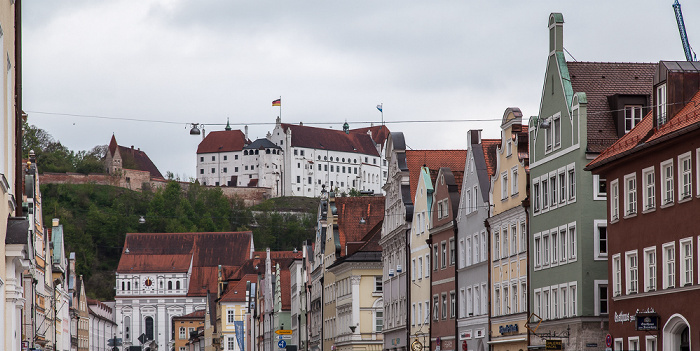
x=433, y=159
x=330, y=139
x=379, y=133
x=350, y=211
x=223, y=141
x=600, y=80
x=134, y=157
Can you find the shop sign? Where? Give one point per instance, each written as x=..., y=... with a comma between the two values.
x=552, y=345
x=508, y=328
x=623, y=317
x=647, y=322
x=465, y=335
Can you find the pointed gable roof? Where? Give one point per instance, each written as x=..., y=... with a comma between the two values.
x=223, y=141
x=330, y=139
x=379, y=133
x=433, y=159
x=600, y=80
x=134, y=158
x=350, y=211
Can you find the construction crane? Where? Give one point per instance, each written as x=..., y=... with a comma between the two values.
x=689, y=53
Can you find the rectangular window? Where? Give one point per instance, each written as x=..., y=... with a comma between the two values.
x=497, y=302
x=602, y=299
x=427, y=266
x=650, y=268
x=555, y=246
x=572, y=242
x=213, y=170
x=523, y=297
x=617, y=275
x=523, y=237
x=504, y=185
x=562, y=187
x=506, y=308
x=685, y=176
x=201, y=171
x=686, y=261
x=661, y=105
x=562, y=245
x=633, y=343
x=538, y=251
x=545, y=194
x=465, y=251
x=545, y=249
x=564, y=299
x=513, y=239
x=572, y=184
x=436, y=258
x=574, y=307
x=537, y=303
x=504, y=247
x=453, y=305
x=509, y=147
x=633, y=115
x=413, y=269
x=469, y=305
x=649, y=188
x=477, y=249
x=545, y=305
x=231, y=341
x=452, y=252
x=556, y=130
x=536, y=195
x=497, y=245
x=553, y=191
x=667, y=182
x=669, y=257
x=230, y=316
x=601, y=239
x=555, y=303
x=443, y=251
x=630, y=194
x=514, y=181
x=548, y=137
x=378, y=287
x=614, y=201
x=444, y=306
x=631, y=273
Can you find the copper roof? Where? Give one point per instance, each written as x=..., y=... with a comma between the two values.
x=600, y=80
x=330, y=139
x=433, y=159
x=134, y=158
x=223, y=141
x=644, y=135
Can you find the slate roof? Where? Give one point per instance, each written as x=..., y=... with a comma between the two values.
x=330, y=139
x=600, y=80
x=350, y=211
x=643, y=135
x=433, y=159
x=17, y=231
x=262, y=143
x=131, y=156
x=223, y=141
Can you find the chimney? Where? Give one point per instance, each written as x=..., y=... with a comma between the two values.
x=556, y=32
x=474, y=137
x=246, y=132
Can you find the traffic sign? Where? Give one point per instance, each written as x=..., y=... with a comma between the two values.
x=608, y=340
x=284, y=332
x=282, y=344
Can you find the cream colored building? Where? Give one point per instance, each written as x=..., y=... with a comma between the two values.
x=420, y=258
x=508, y=223
x=10, y=182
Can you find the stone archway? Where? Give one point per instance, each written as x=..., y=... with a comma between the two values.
x=676, y=333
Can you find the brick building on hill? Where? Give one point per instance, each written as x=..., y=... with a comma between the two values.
x=133, y=167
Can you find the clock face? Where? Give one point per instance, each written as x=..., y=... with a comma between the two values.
x=148, y=284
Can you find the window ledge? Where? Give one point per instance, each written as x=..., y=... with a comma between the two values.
x=649, y=210
x=667, y=204
x=630, y=215
x=685, y=199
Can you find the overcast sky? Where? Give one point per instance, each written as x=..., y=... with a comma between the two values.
x=204, y=61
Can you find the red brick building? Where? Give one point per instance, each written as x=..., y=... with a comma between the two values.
x=653, y=183
x=443, y=237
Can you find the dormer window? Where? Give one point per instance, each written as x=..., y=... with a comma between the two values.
x=661, y=117
x=633, y=115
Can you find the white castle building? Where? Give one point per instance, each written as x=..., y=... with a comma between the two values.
x=296, y=160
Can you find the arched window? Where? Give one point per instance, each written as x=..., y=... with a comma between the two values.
x=177, y=285
x=122, y=285
x=128, y=285
x=245, y=152
x=149, y=328
x=267, y=151
x=127, y=328
x=170, y=285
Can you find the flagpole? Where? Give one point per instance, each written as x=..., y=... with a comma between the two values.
x=382, y=111
x=280, y=107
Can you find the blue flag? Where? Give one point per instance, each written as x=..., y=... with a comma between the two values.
x=379, y=107
x=239, y=334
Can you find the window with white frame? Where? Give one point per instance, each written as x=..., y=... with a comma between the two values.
x=545, y=193
x=427, y=265
x=650, y=269
x=506, y=301
x=600, y=227
x=649, y=182
x=562, y=187
x=183, y=333
x=652, y=344
x=661, y=105
x=513, y=239
x=667, y=182
x=443, y=255
x=599, y=188
x=630, y=194
x=536, y=196
x=413, y=314
x=572, y=183
x=555, y=303
x=572, y=241
x=553, y=191
x=477, y=249
x=420, y=267
x=478, y=307
x=231, y=343
x=554, y=234
x=509, y=147
x=614, y=200
x=504, y=185
x=633, y=115
x=483, y=246
x=548, y=136
x=633, y=343
x=631, y=271
x=556, y=130
x=686, y=246
x=562, y=245
x=497, y=302
x=444, y=305
x=669, y=268
x=685, y=177
x=618, y=344
x=572, y=294
x=617, y=275
x=453, y=304
x=514, y=299
x=469, y=201
x=538, y=250
x=514, y=181
x=464, y=257
x=545, y=304
x=453, y=257
x=230, y=316
x=419, y=309
x=470, y=303
x=504, y=247
x=545, y=249
x=413, y=269
x=523, y=297
x=523, y=236
x=537, y=302
x=496, y=244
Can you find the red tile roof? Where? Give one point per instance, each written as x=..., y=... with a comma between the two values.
x=351, y=210
x=223, y=141
x=235, y=291
x=379, y=133
x=433, y=159
x=198, y=314
x=644, y=134
x=286, y=288
x=329, y=139
x=600, y=80
x=489, y=146
x=134, y=158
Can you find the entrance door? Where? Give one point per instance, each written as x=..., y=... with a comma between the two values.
x=685, y=340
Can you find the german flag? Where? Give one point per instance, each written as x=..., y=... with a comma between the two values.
x=277, y=102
